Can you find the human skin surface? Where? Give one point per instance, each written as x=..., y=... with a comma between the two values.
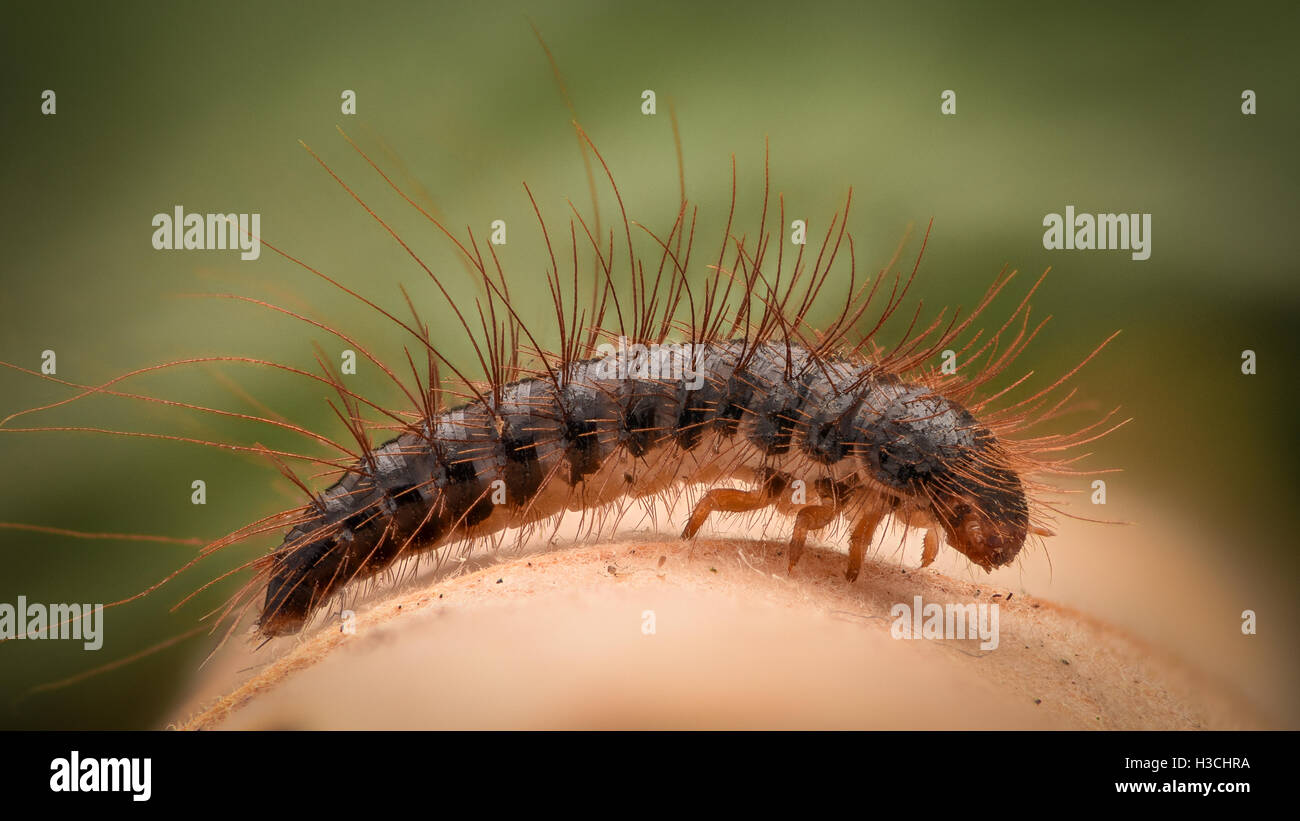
x=557, y=638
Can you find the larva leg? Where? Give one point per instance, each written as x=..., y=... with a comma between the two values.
x=727, y=500
x=863, y=532
x=809, y=517
x=730, y=500
x=931, y=547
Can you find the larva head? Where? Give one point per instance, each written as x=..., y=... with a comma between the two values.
x=985, y=514
x=930, y=449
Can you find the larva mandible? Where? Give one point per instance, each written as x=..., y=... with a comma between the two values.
x=747, y=391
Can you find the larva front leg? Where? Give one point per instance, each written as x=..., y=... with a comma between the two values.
x=931, y=551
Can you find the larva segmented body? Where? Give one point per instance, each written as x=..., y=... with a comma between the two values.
x=820, y=423
x=867, y=442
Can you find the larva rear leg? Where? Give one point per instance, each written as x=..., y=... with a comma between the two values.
x=731, y=500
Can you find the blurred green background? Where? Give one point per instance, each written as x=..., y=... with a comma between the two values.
x=1111, y=107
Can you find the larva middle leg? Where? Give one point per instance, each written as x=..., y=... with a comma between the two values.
x=810, y=517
